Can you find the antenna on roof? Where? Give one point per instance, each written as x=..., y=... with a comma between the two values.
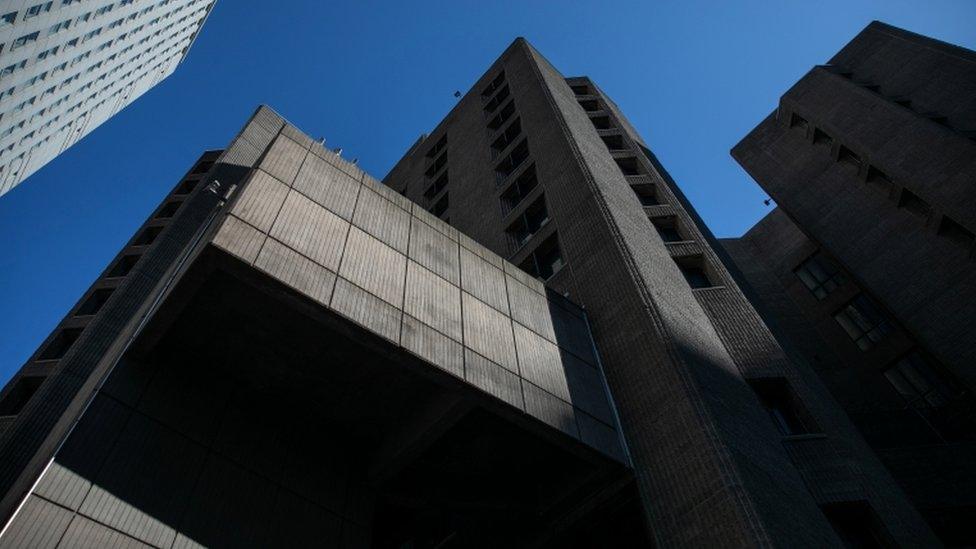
x=337, y=151
x=355, y=161
x=457, y=93
x=767, y=201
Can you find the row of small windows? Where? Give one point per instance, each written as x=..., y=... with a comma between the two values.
x=437, y=178
x=949, y=228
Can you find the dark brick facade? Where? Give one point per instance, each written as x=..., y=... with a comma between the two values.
x=871, y=159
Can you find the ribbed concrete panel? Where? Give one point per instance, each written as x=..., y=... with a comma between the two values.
x=432, y=300
x=530, y=308
x=437, y=224
x=260, y=201
x=483, y=280
x=328, y=186
x=366, y=309
x=311, y=230
x=297, y=136
x=38, y=524
x=283, y=159
x=571, y=331
x=240, y=239
x=432, y=345
x=540, y=363
x=296, y=270
x=525, y=278
x=471, y=245
x=586, y=388
x=87, y=534
x=493, y=379
x=599, y=435
x=488, y=332
x=435, y=251
x=550, y=409
x=382, y=219
x=374, y=266
x=379, y=188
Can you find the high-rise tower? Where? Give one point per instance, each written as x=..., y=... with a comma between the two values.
x=67, y=66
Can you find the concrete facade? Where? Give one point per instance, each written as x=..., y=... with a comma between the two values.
x=67, y=66
x=866, y=266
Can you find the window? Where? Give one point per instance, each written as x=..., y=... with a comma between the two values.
x=493, y=87
x=169, y=210
x=436, y=187
x=441, y=207
x=864, y=322
x=601, y=122
x=436, y=165
x=502, y=116
x=629, y=165
x=614, y=142
x=496, y=101
x=856, y=525
x=820, y=275
x=783, y=406
x=148, y=236
x=647, y=194
x=693, y=269
x=512, y=161
x=94, y=302
x=34, y=11
x=797, y=121
x=821, y=138
x=528, y=223
x=956, y=232
x=124, y=266
x=519, y=189
x=7, y=19
x=60, y=344
x=546, y=260
x=848, y=156
x=913, y=203
x=187, y=186
x=24, y=40
x=590, y=105
x=917, y=382
x=19, y=395
x=507, y=137
x=879, y=178
x=667, y=228
x=581, y=90
x=438, y=147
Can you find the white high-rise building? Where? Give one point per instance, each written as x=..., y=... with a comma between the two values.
x=66, y=66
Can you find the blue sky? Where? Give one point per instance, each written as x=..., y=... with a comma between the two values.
x=693, y=77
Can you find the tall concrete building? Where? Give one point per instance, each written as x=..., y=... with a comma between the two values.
x=67, y=66
x=523, y=337
x=866, y=266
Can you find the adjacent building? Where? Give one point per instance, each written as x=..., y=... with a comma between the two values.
x=67, y=66
x=866, y=267
x=524, y=336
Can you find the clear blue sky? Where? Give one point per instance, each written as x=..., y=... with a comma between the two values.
x=693, y=77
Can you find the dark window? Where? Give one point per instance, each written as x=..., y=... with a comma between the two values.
x=879, y=178
x=19, y=395
x=590, y=105
x=797, y=121
x=508, y=136
x=903, y=101
x=512, y=161
x=629, y=165
x=614, y=142
x=441, y=206
x=821, y=138
x=856, y=525
x=913, y=203
x=497, y=100
x=647, y=194
x=493, y=87
x=94, y=302
x=502, y=116
x=202, y=167
x=436, y=165
x=849, y=157
x=956, y=232
x=693, y=269
x=436, y=187
x=148, y=236
x=187, y=186
x=60, y=344
x=917, y=382
x=872, y=87
x=939, y=119
x=601, y=122
x=169, y=210
x=581, y=90
x=529, y=222
x=519, y=189
x=864, y=322
x=820, y=275
x=667, y=228
x=438, y=147
x=783, y=406
x=546, y=260
x=124, y=265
